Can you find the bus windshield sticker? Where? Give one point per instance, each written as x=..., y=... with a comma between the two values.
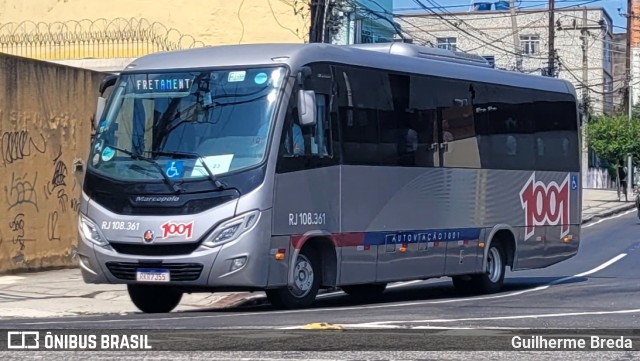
x=217, y=164
x=107, y=154
x=261, y=78
x=161, y=83
x=236, y=76
x=174, y=169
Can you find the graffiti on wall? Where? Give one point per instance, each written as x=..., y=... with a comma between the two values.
x=41, y=137
x=36, y=195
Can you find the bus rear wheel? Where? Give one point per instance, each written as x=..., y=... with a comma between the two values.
x=365, y=292
x=492, y=279
x=305, y=286
x=154, y=299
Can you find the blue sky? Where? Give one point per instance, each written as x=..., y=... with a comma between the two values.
x=611, y=6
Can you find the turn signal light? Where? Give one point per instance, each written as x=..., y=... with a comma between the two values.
x=280, y=254
x=481, y=244
x=403, y=248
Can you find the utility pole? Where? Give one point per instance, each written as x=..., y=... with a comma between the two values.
x=629, y=92
x=318, y=21
x=552, y=36
x=516, y=36
x=585, y=97
x=628, y=53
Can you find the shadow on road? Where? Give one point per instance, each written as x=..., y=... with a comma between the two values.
x=432, y=291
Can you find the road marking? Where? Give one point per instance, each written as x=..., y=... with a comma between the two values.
x=387, y=324
x=405, y=304
x=393, y=285
x=401, y=284
x=609, y=218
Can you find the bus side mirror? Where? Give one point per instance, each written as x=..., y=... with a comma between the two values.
x=106, y=83
x=307, y=107
x=102, y=101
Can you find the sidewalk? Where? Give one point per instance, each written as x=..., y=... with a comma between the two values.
x=600, y=203
x=63, y=293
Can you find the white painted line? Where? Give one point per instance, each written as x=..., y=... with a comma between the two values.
x=330, y=294
x=393, y=285
x=591, y=271
x=402, y=284
x=497, y=318
x=602, y=266
x=609, y=218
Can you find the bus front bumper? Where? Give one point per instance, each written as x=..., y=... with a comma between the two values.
x=237, y=264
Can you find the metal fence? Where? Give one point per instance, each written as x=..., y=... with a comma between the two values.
x=101, y=38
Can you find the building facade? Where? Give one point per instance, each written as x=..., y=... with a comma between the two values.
x=364, y=21
x=521, y=43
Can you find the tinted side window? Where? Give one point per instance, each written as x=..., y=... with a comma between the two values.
x=362, y=96
x=556, y=137
x=526, y=129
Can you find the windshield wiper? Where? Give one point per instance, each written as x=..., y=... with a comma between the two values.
x=166, y=178
x=212, y=177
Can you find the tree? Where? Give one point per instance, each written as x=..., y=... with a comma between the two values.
x=614, y=137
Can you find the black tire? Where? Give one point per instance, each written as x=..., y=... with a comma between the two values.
x=306, y=266
x=366, y=292
x=491, y=280
x=154, y=299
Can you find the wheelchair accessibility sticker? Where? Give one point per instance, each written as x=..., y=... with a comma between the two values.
x=174, y=169
x=574, y=182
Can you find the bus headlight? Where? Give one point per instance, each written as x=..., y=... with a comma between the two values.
x=90, y=231
x=232, y=229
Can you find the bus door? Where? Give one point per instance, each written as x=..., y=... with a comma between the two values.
x=459, y=160
x=407, y=252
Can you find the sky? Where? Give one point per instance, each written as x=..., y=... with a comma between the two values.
x=611, y=6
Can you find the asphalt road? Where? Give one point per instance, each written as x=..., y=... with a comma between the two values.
x=597, y=289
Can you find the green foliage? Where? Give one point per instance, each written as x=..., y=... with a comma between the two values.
x=613, y=137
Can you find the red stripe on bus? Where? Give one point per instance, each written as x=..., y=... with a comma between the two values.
x=339, y=240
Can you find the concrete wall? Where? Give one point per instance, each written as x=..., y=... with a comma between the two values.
x=45, y=125
x=173, y=24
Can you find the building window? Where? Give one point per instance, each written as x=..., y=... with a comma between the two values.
x=530, y=44
x=447, y=43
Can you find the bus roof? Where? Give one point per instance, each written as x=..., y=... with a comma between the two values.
x=400, y=57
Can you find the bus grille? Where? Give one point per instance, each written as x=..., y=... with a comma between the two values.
x=155, y=249
x=178, y=271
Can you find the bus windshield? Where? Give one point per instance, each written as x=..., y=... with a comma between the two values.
x=222, y=116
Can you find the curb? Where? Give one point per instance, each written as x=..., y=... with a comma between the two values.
x=609, y=213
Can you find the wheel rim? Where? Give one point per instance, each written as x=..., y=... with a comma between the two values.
x=303, y=277
x=494, y=265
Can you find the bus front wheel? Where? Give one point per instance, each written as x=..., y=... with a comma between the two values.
x=305, y=286
x=154, y=299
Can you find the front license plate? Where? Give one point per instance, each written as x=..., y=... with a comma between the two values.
x=152, y=275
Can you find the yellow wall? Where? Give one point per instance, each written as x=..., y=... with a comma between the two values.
x=170, y=24
x=45, y=125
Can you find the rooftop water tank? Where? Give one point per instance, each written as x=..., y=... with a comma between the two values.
x=502, y=5
x=482, y=6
